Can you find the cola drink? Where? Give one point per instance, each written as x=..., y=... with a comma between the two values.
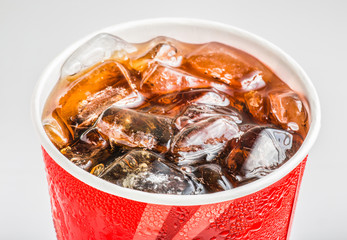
x=171, y=117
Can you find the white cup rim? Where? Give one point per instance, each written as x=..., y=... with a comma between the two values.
x=180, y=200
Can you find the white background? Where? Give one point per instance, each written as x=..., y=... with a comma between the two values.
x=32, y=33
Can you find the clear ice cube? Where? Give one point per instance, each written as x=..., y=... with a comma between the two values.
x=217, y=61
x=146, y=171
x=257, y=105
x=197, y=112
x=204, y=140
x=269, y=151
x=57, y=129
x=212, y=177
x=85, y=96
x=173, y=104
x=160, y=79
x=160, y=49
x=90, y=93
x=169, y=104
x=289, y=111
x=252, y=81
x=102, y=46
x=211, y=97
x=260, y=151
x=88, y=150
x=130, y=128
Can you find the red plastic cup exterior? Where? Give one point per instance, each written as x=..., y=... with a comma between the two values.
x=85, y=207
x=83, y=212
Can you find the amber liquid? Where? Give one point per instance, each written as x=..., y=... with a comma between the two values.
x=200, y=117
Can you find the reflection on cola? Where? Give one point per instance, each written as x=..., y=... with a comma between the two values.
x=171, y=117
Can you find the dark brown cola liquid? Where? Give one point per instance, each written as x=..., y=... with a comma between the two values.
x=171, y=117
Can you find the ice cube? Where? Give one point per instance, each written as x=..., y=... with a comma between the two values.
x=160, y=79
x=203, y=141
x=160, y=49
x=218, y=61
x=196, y=112
x=211, y=97
x=169, y=105
x=78, y=100
x=268, y=152
x=149, y=172
x=257, y=105
x=130, y=128
x=173, y=104
x=252, y=81
x=88, y=150
x=260, y=151
x=89, y=93
x=212, y=178
x=57, y=130
x=288, y=110
x=101, y=47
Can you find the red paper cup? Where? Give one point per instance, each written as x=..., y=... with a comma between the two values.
x=87, y=207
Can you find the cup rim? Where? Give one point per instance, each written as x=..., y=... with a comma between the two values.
x=179, y=200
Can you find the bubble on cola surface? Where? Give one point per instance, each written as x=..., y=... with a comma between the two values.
x=149, y=172
x=102, y=46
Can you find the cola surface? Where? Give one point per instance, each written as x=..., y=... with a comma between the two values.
x=170, y=117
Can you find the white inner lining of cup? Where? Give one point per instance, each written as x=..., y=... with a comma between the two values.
x=193, y=31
